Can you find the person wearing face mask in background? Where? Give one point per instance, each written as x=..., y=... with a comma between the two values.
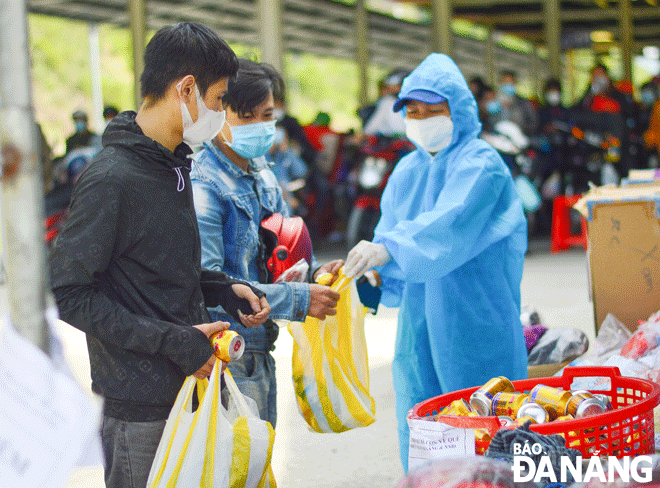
x=234, y=190
x=126, y=267
x=82, y=137
x=552, y=116
x=449, y=247
x=608, y=110
x=489, y=108
x=514, y=108
x=289, y=169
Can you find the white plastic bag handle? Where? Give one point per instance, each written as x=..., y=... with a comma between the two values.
x=241, y=404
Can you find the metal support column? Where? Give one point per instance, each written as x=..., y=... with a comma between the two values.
x=272, y=51
x=551, y=9
x=626, y=37
x=138, y=15
x=362, y=49
x=22, y=183
x=441, y=35
x=95, y=71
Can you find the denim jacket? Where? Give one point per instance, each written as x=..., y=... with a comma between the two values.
x=230, y=205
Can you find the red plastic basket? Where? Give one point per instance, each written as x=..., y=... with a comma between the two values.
x=626, y=430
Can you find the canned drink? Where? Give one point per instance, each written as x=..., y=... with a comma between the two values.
x=553, y=400
x=481, y=436
x=228, y=345
x=604, y=399
x=581, y=406
x=522, y=419
x=506, y=403
x=481, y=399
x=564, y=417
x=457, y=407
x=534, y=410
x=505, y=421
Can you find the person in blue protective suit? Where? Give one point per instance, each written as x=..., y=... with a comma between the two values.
x=449, y=246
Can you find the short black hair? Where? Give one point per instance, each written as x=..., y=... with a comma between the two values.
x=508, y=72
x=110, y=111
x=184, y=49
x=279, y=88
x=552, y=84
x=249, y=88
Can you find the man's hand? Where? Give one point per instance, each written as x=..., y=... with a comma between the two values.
x=209, y=330
x=364, y=256
x=322, y=301
x=332, y=267
x=260, y=307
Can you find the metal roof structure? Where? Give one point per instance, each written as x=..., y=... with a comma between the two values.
x=328, y=28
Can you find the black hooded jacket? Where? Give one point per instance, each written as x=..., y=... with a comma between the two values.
x=126, y=271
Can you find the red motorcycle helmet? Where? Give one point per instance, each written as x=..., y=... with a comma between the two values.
x=290, y=244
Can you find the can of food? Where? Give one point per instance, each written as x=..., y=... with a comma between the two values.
x=604, y=399
x=552, y=399
x=564, y=417
x=482, y=439
x=581, y=406
x=228, y=345
x=482, y=398
x=506, y=403
x=534, y=410
x=457, y=407
x=505, y=421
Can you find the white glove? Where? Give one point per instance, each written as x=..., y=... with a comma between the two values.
x=364, y=256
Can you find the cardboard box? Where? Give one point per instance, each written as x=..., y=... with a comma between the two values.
x=623, y=227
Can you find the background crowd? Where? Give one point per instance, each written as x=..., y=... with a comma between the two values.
x=560, y=149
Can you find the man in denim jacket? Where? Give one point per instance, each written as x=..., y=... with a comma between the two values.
x=234, y=190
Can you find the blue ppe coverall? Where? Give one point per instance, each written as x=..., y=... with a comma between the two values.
x=455, y=228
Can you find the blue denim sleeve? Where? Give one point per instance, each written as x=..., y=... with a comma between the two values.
x=288, y=301
x=210, y=219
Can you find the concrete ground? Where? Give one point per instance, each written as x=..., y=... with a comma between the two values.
x=556, y=284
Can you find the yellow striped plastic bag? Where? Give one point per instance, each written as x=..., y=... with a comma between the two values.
x=213, y=447
x=330, y=366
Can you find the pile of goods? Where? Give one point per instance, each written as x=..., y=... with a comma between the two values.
x=497, y=397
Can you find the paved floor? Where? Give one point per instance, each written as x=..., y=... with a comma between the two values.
x=556, y=284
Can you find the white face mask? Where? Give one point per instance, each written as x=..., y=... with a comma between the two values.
x=432, y=134
x=208, y=124
x=553, y=97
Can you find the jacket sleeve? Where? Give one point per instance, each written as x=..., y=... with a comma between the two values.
x=81, y=255
x=288, y=301
x=460, y=225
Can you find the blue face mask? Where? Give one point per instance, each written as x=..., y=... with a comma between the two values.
x=493, y=107
x=508, y=89
x=648, y=97
x=253, y=140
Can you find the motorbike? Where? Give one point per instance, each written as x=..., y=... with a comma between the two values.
x=591, y=155
x=374, y=162
x=66, y=173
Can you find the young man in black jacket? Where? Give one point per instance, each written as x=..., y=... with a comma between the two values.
x=126, y=267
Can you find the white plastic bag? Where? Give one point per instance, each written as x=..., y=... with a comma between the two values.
x=213, y=447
